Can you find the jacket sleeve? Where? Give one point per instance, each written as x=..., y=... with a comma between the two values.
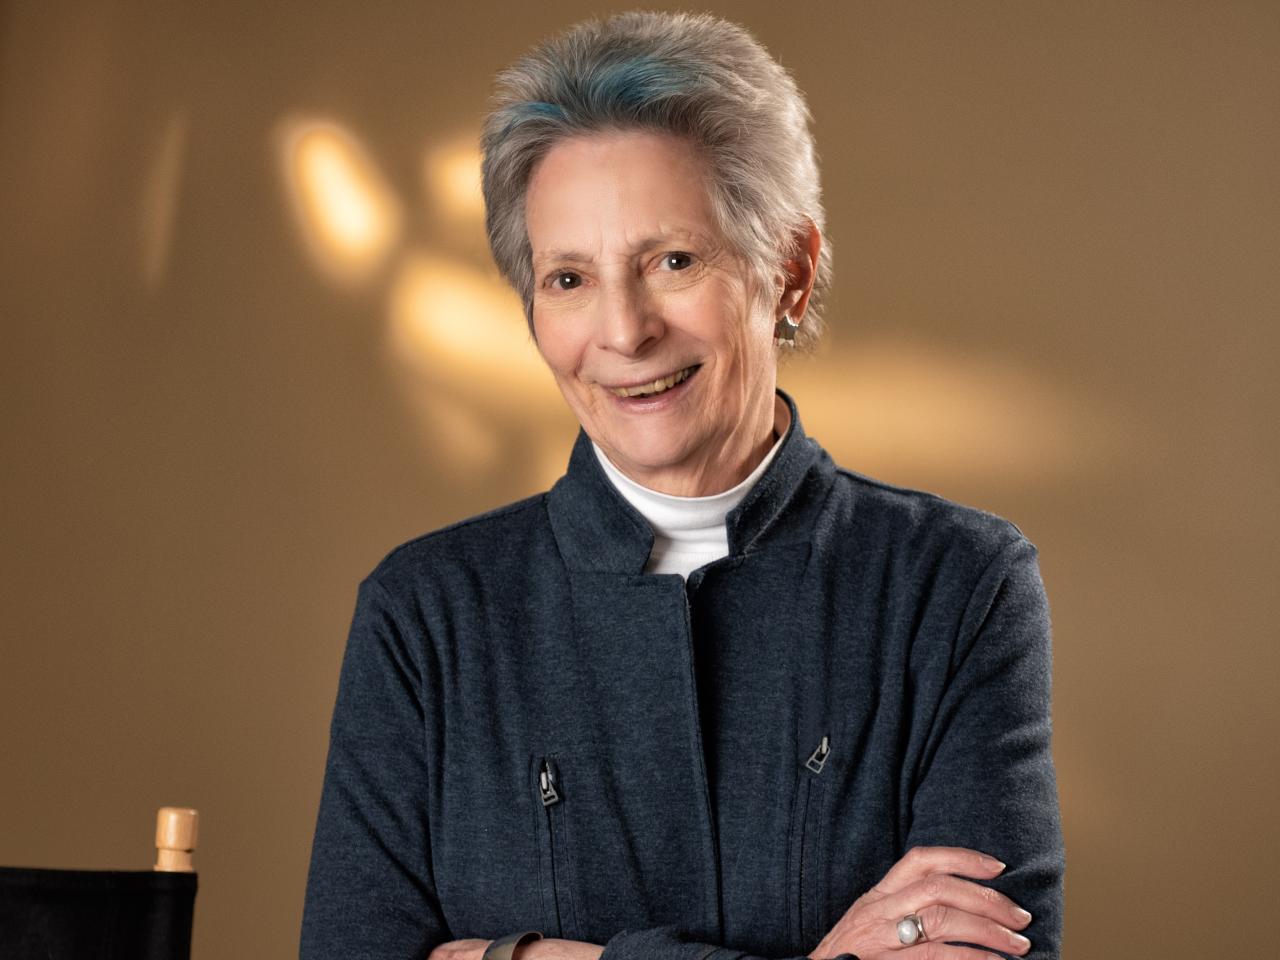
x=370, y=891
x=985, y=778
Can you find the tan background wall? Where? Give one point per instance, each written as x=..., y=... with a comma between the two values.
x=1056, y=298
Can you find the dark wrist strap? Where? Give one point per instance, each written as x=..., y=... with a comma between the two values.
x=504, y=948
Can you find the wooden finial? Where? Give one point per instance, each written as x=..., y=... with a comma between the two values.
x=176, y=839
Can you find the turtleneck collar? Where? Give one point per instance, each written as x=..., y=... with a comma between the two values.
x=598, y=530
x=687, y=531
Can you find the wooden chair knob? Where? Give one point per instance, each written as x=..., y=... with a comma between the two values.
x=176, y=832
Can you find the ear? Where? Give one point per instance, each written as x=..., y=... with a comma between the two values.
x=800, y=272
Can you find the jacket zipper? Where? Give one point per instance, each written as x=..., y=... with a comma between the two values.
x=818, y=759
x=547, y=786
x=550, y=796
x=816, y=763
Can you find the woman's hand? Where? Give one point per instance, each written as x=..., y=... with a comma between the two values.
x=460, y=950
x=548, y=949
x=949, y=908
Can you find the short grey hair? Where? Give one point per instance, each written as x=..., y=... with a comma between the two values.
x=692, y=75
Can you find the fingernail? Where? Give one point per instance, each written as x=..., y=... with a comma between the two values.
x=1020, y=940
x=996, y=863
x=1022, y=915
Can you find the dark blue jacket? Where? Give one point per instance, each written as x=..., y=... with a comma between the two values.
x=530, y=733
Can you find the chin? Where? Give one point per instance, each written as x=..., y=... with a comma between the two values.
x=647, y=453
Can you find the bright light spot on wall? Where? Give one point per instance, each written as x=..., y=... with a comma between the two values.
x=455, y=323
x=453, y=180
x=470, y=371
x=347, y=214
x=909, y=413
x=159, y=204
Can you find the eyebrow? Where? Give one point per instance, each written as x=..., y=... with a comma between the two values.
x=648, y=243
x=561, y=256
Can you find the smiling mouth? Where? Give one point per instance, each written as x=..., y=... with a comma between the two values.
x=661, y=385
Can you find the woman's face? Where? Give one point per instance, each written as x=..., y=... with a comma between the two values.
x=648, y=321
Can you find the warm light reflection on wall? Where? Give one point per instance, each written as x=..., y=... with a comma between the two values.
x=906, y=412
x=911, y=414
x=453, y=180
x=159, y=202
x=345, y=211
x=455, y=323
x=485, y=399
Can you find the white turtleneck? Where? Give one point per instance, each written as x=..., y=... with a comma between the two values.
x=687, y=531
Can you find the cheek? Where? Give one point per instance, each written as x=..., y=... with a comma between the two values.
x=555, y=344
x=740, y=335
x=716, y=318
x=753, y=349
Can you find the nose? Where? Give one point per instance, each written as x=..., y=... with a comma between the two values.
x=629, y=322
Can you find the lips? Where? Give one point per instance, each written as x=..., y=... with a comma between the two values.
x=656, y=387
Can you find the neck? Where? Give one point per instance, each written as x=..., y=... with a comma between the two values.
x=730, y=464
x=688, y=532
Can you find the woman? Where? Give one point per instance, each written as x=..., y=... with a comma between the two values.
x=710, y=696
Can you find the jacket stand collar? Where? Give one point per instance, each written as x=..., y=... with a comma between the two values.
x=599, y=532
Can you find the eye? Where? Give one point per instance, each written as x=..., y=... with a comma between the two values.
x=677, y=260
x=566, y=281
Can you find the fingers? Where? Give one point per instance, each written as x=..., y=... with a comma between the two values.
x=920, y=862
x=953, y=893
x=944, y=951
x=929, y=882
x=459, y=950
x=947, y=923
x=551, y=948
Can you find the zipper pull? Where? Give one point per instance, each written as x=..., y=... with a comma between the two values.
x=547, y=785
x=818, y=759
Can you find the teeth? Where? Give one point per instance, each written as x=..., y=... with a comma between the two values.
x=660, y=385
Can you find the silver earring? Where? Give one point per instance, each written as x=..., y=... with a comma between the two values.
x=784, y=332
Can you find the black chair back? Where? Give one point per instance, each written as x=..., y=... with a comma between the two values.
x=95, y=914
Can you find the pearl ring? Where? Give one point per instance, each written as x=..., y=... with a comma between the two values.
x=910, y=929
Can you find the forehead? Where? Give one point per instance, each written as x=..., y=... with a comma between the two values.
x=605, y=193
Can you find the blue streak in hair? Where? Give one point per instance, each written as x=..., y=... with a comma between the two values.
x=520, y=113
x=534, y=109
x=624, y=88
x=633, y=83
